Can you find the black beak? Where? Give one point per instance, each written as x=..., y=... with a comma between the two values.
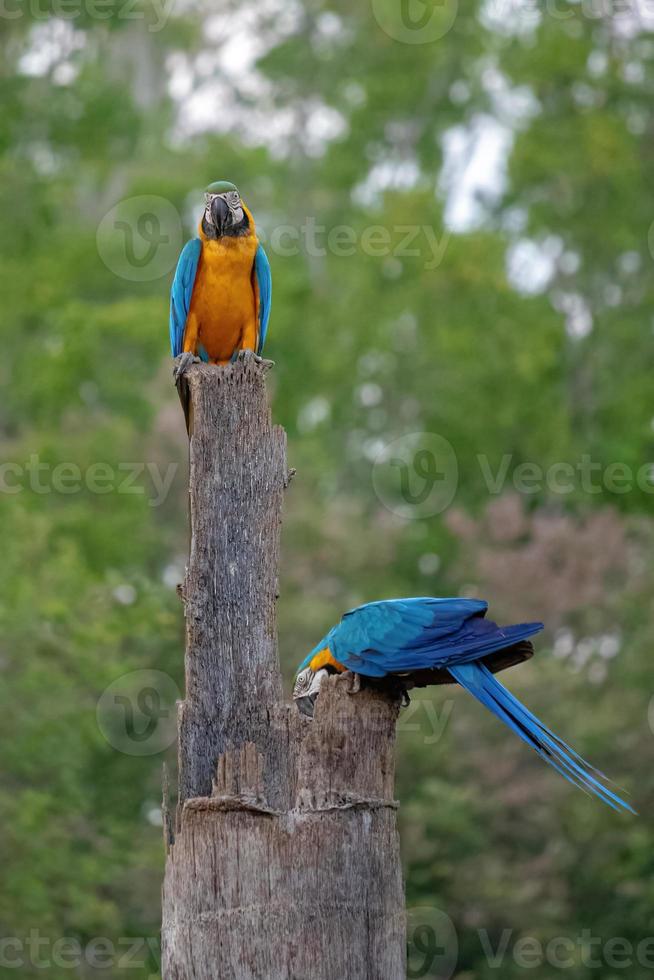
x=307, y=704
x=221, y=215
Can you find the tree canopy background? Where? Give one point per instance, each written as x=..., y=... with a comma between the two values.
x=461, y=239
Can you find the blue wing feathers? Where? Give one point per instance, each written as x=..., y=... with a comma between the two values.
x=181, y=293
x=409, y=634
x=264, y=282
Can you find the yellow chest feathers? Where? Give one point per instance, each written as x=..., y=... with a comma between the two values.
x=228, y=261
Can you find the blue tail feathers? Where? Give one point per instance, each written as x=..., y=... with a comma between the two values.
x=478, y=680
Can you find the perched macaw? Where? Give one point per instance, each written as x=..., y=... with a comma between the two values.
x=221, y=295
x=423, y=640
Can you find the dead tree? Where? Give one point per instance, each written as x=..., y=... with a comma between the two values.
x=283, y=857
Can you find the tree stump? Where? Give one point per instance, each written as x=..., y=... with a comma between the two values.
x=283, y=862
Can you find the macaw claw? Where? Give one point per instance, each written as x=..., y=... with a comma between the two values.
x=183, y=363
x=249, y=355
x=355, y=684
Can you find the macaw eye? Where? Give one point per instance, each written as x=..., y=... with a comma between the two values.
x=303, y=682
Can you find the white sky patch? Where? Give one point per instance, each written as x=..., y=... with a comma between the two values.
x=44, y=159
x=514, y=219
x=510, y=18
x=629, y=263
x=65, y=73
x=369, y=394
x=530, y=265
x=570, y=262
x=475, y=155
x=173, y=574
x=331, y=27
x=521, y=18
x=322, y=125
x=313, y=413
x=474, y=170
x=50, y=44
x=393, y=173
x=330, y=34
x=355, y=94
x=598, y=62
x=578, y=316
x=627, y=19
x=513, y=105
x=204, y=86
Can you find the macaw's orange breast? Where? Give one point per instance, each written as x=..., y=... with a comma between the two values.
x=224, y=303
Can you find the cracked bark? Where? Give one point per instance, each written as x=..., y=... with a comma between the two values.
x=283, y=862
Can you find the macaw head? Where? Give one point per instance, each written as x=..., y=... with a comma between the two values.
x=307, y=688
x=225, y=215
x=314, y=669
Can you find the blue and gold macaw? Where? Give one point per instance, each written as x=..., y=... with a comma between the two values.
x=415, y=642
x=221, y=295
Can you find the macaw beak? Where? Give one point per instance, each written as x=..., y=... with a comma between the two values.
x=221, y=215
x=305, y=697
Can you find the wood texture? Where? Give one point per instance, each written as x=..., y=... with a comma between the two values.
x=284, y=860
x=237, y=479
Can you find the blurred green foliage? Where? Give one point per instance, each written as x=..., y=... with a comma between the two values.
x=324, y=120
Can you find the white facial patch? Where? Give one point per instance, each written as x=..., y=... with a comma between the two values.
x=233, y=201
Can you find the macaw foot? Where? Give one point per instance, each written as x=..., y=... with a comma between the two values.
x=355, y=683
x=249, y=355
x=398, y=687
x=183, y=363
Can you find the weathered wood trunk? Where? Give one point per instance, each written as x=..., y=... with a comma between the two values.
x=284, y=860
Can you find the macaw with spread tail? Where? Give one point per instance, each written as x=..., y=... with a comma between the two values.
x=221, y=294
x=421, y=641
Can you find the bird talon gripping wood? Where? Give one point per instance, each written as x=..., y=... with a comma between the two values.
x=182, y=364
x=355, y=685
x=416, y=641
